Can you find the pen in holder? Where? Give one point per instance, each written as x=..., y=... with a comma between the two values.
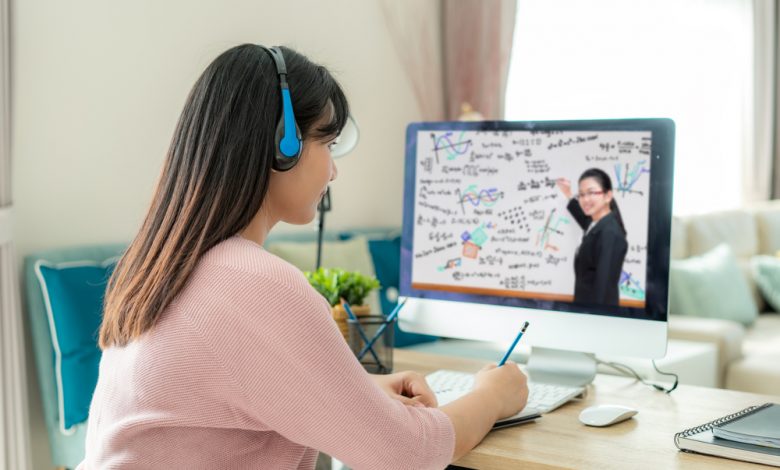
x=371, y=340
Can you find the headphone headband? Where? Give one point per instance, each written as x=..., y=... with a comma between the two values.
x=278, y=57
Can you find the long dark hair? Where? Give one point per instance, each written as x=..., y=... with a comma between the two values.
x=603, y=180
x=215, y=176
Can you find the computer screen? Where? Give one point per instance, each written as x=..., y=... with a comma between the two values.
x=569, y=217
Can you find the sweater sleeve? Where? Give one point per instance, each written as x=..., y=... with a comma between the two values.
x=294, y=374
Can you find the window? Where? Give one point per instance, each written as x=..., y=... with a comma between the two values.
x=690, y=60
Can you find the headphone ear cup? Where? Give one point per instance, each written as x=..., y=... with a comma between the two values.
x=284, y=162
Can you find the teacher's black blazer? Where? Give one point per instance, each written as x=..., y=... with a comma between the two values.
x=598, y=261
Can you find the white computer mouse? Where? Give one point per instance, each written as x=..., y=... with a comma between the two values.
x=605, y=415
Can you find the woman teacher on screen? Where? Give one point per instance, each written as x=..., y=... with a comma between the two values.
x=598, y=261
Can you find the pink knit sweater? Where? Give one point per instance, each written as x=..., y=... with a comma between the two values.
x=246, y=370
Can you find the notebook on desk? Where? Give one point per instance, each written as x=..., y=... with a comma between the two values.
x=761, y=427
x=745, y=435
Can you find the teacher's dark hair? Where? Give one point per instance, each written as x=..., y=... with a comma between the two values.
x=215, y=176
x=603, y=180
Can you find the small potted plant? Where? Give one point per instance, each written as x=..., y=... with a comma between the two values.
x=337, y=284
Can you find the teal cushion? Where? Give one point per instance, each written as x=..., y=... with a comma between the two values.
x=711, y=285
x=386, y=254
x=73, y=295
x=766, y=272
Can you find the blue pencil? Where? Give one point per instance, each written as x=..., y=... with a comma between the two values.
x=362, y=333
x=514, y=343
x=382, y=328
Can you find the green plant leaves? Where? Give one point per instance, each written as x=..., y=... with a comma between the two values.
x=334, y=283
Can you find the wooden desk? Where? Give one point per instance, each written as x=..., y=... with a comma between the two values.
x=559, y=440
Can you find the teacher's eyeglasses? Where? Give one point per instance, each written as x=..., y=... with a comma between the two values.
x=589, y=194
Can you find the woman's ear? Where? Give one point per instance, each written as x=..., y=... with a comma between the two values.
x=608, y=195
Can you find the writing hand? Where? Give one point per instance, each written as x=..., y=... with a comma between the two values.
x=410, y=388
x=565, y=186
x=508, y=385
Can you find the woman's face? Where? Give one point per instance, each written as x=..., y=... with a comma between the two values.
x=293, y=195
x=594, y=201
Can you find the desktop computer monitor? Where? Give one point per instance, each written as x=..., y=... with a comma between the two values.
x=506, y=222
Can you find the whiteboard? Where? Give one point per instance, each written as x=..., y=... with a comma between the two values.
x=489, y=218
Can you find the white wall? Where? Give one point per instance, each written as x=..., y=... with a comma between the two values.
x=98, y=86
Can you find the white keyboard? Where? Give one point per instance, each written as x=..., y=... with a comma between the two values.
x=449, y=385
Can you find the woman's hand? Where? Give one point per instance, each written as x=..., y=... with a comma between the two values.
x=507, y=384
x=410, y=388
x=565, y=186
x=498, y=392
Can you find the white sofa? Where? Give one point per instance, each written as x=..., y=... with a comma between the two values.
x=748, y=358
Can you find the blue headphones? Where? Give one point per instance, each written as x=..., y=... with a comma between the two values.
x=288, y=143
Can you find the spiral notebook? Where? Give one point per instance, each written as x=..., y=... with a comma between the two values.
x=702, y=440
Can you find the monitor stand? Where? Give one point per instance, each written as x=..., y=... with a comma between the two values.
x=561, y=367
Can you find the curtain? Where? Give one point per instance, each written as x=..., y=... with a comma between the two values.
x=415, y=29
x=477, y=43
x=774, y=18
x=454, y=52
x=14, y=430
x=760, y=151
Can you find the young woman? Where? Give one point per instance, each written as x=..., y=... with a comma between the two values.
x=598, y=261
x=217, y=354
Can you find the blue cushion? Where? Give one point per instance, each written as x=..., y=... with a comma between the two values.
x=386, y=255
x=73, y=295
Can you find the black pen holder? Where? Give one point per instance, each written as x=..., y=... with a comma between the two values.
x=378, y=357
